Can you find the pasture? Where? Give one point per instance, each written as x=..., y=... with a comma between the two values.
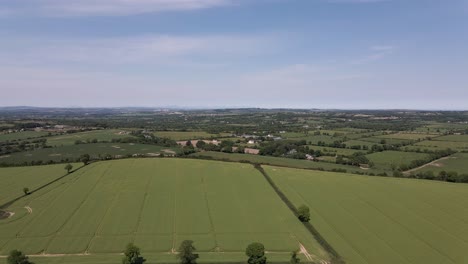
x=409, y=136
x=278, y=161
x=100, y=135
x=388, y=159
x=95, y=150
x=21, y=135
x=382, y=220
x=441, y=145
x=187, y=135
x=456, y=163
x=155, y=203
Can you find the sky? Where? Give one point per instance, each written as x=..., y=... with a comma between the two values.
x=346, y=54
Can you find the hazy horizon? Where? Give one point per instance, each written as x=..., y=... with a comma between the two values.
x=325, y=54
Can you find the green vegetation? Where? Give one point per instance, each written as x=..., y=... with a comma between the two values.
x=303, y=213
x=104, y=135
x=392, y=160
x=154, y=203
x=132, y=255
x=382, y=220
x=22, y=135
x=187, y=135
x=256, y=253
x=72, y=153
x=17, y=257
x=186, y=253
x=456, y=163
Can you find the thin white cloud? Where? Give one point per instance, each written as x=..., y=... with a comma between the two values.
x=377, y=53
x=109, y=7
x=151, y=49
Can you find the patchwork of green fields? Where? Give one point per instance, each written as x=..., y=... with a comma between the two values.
x=409, y=136
x=21, y=135
x=383, y=220
x=97, y=150
x=187, y=135
x=456, y=163
x=155, y=203
x=387, y=159
x=440, y=145
x=100, y=135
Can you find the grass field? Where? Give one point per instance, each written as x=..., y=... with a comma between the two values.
x=457, y=163
x=100, y=135
x=454, y=138
x=350, y=143
x=335, y=151
x=409, y=136
x=96, y=150
x=155, y=203
x=277, y=161
x=385, y=159
x=441, y=145
x=21, y=135
x=15, y=179
x=389, y=141
x=381, y=220
x=186, y=135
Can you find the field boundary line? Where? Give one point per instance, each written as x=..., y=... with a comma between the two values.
x=336, y=258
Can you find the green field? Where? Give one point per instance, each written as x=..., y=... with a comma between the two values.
x=454, y=138
x=441, y=145
x=350, y=143
x=389, y=141
x=155, y=203
x=381, y=220
x=385, y=159
x=409, y=136
x=457, y=163
x=100, y=135
x=186, y=135
x=277, y=161
x=22, y=135
x=335, y=151
x=95, y=150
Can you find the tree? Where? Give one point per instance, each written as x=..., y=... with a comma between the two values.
x=303, y=213
x=186, y=254
x=85, y=159
x=132, y=255
x=256, y=253
x=68, y=167
x=17, y=257
x=26, y=190
x=294, y=259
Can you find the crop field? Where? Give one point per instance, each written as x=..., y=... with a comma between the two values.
x=155, y=203
x=456, y=163
x=278, y=161
x=336, y=151
x=73, y=152
x=21, y=135
x=454, y=138
x=350, y=143
x=380, y=140
x=15, y=179
x=187, y=135
x=100, y=135
x=386, y=159
x=383, y=220
x=436, y=144
x=409, y=136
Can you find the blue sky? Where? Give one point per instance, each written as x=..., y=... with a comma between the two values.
x=353, y=54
